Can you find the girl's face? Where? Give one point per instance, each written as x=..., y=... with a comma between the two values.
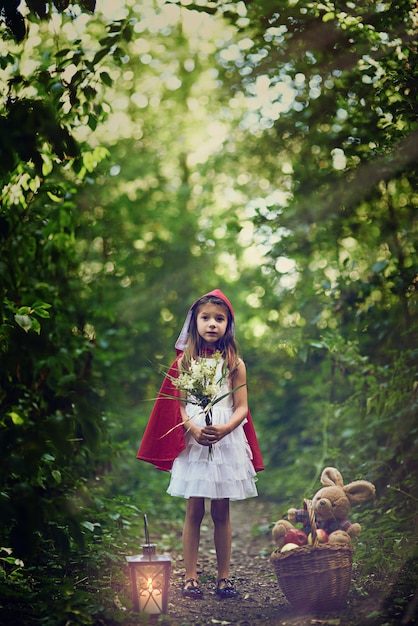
x=212, y=322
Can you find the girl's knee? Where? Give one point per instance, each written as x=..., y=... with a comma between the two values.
x=220, y=511
x=195, y=510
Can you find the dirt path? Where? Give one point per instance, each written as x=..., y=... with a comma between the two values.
x=260, y=600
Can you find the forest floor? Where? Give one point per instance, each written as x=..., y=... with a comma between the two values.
x=260, y=601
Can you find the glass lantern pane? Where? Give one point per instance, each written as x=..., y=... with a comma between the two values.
x=150, y=585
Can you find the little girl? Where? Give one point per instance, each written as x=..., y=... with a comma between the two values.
x=178, y=440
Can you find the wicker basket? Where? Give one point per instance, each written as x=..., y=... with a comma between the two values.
x=315, y=578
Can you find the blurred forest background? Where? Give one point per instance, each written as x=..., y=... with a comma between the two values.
x=152, y=151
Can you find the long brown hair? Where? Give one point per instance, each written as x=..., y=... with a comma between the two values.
x=226, y=345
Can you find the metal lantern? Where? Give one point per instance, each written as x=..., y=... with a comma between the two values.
x=150, y=576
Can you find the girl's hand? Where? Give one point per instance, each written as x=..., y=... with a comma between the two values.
x=209, y=434
x=198, y=434
x=213, y=434
x=194, y=430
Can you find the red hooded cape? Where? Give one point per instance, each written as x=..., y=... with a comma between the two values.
x=163, y=439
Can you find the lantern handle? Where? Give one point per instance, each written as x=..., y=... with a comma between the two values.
x=146, y=530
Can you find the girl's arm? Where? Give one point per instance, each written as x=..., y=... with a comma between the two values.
x=217, y=432
x=188, y=424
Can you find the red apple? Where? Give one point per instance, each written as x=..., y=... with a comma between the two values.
x=297, y=536
x=321, y=534
x=289, y=546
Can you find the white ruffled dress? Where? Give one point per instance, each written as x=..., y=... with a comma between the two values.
x=229, y=472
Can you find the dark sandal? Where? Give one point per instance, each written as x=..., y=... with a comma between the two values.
x=191, y=589
x=227, y=590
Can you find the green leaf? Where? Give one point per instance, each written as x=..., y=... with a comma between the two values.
x=56, y=474
x=100, y=55
x=317, y=344
x=380, y=266
x=55, y=197
x=92, y=122
x=61, y=5
x=88, y=5
x=89, y=525
x=106, y=78
x=36, y=326
x=63, y=52
x=24, y=322
x=5, y=61
x=41, y=313
x=40, y=309
x=16, y=418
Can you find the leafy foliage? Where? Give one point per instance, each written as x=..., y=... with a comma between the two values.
x=42, y=9
x=52, y=428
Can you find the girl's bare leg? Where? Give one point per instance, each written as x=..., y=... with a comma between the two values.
x=222, y=535
x=195, y=510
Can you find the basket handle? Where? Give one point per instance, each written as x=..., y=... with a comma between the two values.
x=311, y=515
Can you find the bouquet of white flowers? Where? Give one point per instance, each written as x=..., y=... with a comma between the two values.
x=202, y=386
x=199, y=381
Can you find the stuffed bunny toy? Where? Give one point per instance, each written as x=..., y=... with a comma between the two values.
x=331, y=506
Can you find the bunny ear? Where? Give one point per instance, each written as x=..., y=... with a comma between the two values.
x=359, y=491
x=331, y=477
